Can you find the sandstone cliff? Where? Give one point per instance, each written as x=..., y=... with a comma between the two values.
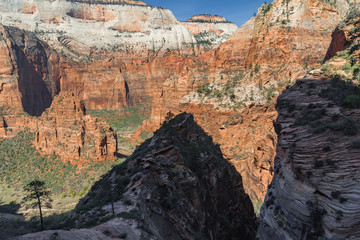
x=66, y=130
x=126, y=26
x=295, y=34
x=25, y=82
x=313, y=193
x=176, y=185
x=26, y=88
x=270, y=51
x=210, y=30
x=103, y=52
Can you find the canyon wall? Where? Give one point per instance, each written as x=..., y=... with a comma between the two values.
x=115, y=54
x=313, y=193
x=172, y=187
x=270, y=51
x=210, y=30
x=89, y=47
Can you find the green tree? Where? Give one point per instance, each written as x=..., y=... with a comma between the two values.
x=37, y=195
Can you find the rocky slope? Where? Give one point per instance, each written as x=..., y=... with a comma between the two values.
x=296, y=34
x=129, y=63
x=314, y=191
x=210, y=30
x=65, y=130
x=176, y=185
x=283, y=41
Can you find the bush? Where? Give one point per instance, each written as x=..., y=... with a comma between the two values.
x=352, y=100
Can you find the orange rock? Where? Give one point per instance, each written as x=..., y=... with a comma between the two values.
x=91, y=12
x=29, y=9
x=66, y=130
x=283, y=40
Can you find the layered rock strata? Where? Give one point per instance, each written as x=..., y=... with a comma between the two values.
x=210, y=30
x=25, y=81
x=283, y=41
x=176, y=185
x=65, y=130
x=314, y=191
x=103, y=52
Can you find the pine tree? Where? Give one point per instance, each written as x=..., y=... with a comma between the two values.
x=37, y=196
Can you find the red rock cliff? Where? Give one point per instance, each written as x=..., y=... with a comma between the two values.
x=66, y=130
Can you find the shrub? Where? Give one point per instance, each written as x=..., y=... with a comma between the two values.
x=352, y=100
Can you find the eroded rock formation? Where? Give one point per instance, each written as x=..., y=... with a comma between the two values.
x=25, y=84
x=176, y=185
x=210, y=30
x=313, y=194
x=283, y=41
x=66, y=130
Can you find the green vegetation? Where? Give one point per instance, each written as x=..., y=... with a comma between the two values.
x=20, y=164
x=125, y=122
x=258, y=206
x=133, y=214
x=342, y=93
x=351, y=15
x=227, y=89
x=266, y=7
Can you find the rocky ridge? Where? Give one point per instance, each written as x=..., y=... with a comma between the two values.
x=252, y=67
x=313, y=193
x=172, y=187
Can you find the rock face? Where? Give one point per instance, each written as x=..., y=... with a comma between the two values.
x=26, y=88
x=208, y=18
x=210, y=29
x=296, y=34
x=25, y=84
x=128, y=26
x=313, y=193
x=345, y=36
x=283, y=41
x=66, y=130
x=176, y=185
x=103, y=51
x=247, y=141
x=132, y=2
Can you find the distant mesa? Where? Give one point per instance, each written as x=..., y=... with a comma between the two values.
x=208, y=18
x=134, y=2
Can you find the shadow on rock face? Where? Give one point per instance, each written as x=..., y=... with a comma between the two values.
x=311, y=195
x=31, y=61
x=177, y=185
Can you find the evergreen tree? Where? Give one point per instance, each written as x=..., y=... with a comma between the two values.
x=37, y=196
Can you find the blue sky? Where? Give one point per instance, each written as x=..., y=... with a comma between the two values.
x=237, y=11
